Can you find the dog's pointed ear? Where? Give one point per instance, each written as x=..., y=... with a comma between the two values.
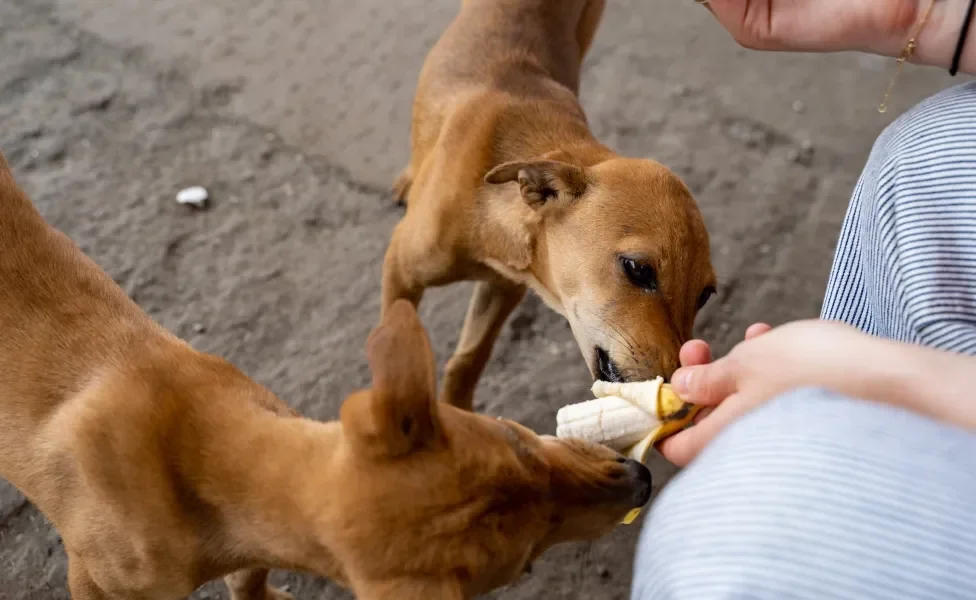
x=398, y=414
x=541, y=181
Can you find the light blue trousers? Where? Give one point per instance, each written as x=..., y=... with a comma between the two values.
x=817, y=496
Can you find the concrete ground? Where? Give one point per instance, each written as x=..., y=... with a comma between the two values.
x=294, y=113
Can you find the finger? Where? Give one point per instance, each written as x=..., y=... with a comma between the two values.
x=757, y=329
x=683, y=447
x=695, y=352
x=707, y=384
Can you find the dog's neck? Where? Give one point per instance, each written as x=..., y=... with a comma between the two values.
x=555, y=128
x=267, y=473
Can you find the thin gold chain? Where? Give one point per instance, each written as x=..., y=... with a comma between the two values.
x=906, y=54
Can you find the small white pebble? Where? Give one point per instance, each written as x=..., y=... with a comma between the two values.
x=194, y=196
x=799, y=106
x=199, y=328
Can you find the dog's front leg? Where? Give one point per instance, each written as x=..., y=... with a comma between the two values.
x=491, y=304
x=252, y=584
x=400, y=265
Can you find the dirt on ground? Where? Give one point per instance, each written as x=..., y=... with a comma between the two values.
x=295, y=115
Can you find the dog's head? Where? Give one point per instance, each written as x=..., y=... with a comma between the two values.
x=622, y=251
x=436, y=502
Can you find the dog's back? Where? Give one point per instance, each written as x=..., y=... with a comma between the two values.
x=45, y=283
x=513, y=45
x=63, y=322
x=99, y=407
x=498, y=59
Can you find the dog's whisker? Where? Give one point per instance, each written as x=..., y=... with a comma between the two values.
x=614, y=332
x=625, y=340
x=632, y=342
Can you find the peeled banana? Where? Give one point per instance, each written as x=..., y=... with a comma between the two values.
x=628, y=417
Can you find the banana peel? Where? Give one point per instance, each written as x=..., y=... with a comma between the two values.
x=674, y=415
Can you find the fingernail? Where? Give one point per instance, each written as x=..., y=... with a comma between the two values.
x=681, y=383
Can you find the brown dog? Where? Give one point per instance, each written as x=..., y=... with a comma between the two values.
x=163, y=467
x=507, y=186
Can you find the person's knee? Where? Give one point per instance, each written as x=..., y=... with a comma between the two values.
x=807, y=484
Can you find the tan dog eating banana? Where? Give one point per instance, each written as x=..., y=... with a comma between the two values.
x=163, y=467
x=507, y=186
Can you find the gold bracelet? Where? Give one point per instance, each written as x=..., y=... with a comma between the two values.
x=906, y=54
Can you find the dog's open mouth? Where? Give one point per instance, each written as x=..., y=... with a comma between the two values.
x=606, y=369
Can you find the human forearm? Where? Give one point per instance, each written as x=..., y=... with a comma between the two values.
x=934, y=383
x=937, y=41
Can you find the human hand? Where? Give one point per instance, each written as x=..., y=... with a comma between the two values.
x=769, y=363
x=876, y=26
x=816, y=25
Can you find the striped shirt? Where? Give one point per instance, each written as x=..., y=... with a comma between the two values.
x=905, y=267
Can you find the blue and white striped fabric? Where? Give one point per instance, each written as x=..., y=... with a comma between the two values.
x=815, y=496
x=905, y=267
x=818, y=497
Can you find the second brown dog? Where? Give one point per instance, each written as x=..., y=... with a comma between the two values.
x=507, y=186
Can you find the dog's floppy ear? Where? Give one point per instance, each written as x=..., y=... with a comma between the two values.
x=399, y=413
x=542, y=180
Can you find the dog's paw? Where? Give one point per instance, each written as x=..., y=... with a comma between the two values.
x=401, y=187
x=269, y=593
x=276, y=594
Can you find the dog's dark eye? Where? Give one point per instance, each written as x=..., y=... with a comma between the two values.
x=705, y=296
x=640, y=274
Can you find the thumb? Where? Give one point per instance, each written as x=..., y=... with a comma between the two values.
x=706, y=385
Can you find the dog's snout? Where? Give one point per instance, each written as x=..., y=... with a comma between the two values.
x=641, y=478
x=662, y=364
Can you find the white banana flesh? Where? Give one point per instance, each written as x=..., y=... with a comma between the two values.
x=628, y=417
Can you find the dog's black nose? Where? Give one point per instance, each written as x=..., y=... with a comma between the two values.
x=606, y=369
x=641, y=476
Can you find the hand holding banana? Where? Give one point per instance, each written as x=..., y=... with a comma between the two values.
x=633, y=417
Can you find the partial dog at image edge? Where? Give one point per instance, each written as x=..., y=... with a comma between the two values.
x=627, y=417
x=139, y=450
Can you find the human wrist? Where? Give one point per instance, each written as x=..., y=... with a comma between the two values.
x=937, y=41
x=930, y=382
x=883, y=372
